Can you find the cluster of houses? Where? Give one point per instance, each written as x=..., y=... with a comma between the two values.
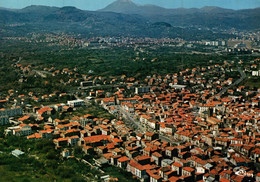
x=6, y=113
x=209, y=136
x=254, y=68
x=227, y=125
x=146, y=156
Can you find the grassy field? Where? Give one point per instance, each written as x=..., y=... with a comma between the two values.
x=252, y=82
x=41, y=162
x=120, y=174
x=94, y=110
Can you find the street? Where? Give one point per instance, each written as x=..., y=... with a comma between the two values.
x=243, y=76
x=130, y=119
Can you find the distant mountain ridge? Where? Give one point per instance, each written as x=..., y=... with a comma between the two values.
x=209, y=16
x=129, y=7
x=125, y=18
x=122, y=6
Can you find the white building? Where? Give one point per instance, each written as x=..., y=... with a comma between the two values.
x=256, y=73
x=20, y=130
x=11, y=112
x=4, y=120
x=17, y=153
x=144, y=89
x=76, y=103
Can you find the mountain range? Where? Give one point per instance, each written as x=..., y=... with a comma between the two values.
x=125, y=18
x=204, y=17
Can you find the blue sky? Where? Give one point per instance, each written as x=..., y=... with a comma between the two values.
x=99, y=4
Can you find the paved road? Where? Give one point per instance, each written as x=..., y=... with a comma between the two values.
x=243, y=76
x=41, y=73
x=129, y=117
x=88, y=163
x=103, y=86
x=168, y=139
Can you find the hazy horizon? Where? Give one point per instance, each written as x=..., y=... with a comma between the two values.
x=99, y=4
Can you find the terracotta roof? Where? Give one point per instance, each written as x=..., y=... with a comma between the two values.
x=188, y=169
x=123, y=159
x=96, y=138
x=177, y=164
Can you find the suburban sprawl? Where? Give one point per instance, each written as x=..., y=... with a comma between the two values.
x=198, y=124
x=129, y=93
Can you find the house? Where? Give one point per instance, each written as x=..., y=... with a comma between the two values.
x=155, y=178
x=101, y=162
x=214, y=174
x=24, y=118
x=188, y=171
x=58, y=107
x=116, y=151
x=67, y=109
x=129, y=107
x=184, y=155
x=22, y=130
x=44, y=112
x=122, y=162
x=142, y=159
x=17, y=153
x=166, y=172
x=87, y=149
x=176, y=166
x=170, y=152
x=46, y=133
x=61, y=142
x=149, y=150
x=151, y=136
x=200, y=170
x=101, y=149
x=166, y=162
x=73, y=140
x=76, y=103
x=174, y=179
x=108, y=101
x=257, y=177
x=157, y=157
x=71, y=132
x=136, y=169
x=226, y=174
x=35, y=136
x=96, y=140
x=114, y=159
x=66, y=153
x=167, y=128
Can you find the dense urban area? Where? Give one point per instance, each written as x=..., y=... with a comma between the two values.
x=198, y=123
x=129, y=108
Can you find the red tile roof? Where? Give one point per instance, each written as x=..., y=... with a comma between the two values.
x=96, y=138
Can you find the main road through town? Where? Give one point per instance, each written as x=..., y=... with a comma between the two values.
x=243, y=76
x=139, y=128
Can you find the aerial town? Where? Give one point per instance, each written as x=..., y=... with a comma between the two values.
x=198, y=124
x=125, y=91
